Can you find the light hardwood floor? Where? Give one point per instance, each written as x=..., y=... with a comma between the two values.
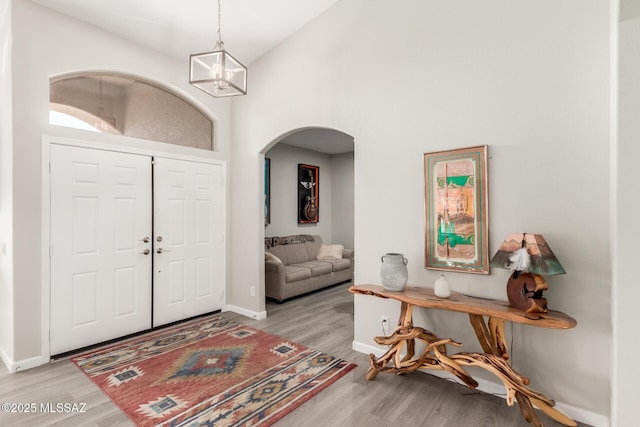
x=322, y=320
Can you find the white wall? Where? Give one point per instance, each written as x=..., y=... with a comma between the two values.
x=342, y=182
x=529, y=79
x=45, y=44
x=6, y=191
x=627, y=227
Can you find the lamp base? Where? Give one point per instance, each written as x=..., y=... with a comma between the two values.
x=524, y=291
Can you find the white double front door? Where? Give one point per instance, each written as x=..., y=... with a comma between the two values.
x=136, y=242
x=189, y=261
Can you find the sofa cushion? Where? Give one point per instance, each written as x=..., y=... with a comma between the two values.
x=330, y=252
x=313, y=248
x=279, y=252
x=294, y=273
x=339, y=264
x=296, y=253
x=268, y=256
x=318, y=268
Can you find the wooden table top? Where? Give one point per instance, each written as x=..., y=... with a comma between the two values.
x=424, y=297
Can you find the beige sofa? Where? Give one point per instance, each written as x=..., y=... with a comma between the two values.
x=293, y=267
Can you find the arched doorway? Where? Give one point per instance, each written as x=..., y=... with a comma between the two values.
x=332, y=152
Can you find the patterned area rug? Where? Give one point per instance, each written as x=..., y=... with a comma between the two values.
x=210, y=372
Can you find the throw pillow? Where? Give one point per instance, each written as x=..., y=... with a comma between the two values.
x=268, y=256
x=330, y=251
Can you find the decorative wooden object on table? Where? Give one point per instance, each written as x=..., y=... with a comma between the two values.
x=490, y=334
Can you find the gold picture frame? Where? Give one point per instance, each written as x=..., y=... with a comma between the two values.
x=457, y=210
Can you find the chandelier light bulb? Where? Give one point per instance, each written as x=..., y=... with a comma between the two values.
x=216, y=71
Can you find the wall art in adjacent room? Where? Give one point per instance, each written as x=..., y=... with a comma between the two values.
x=308, y=193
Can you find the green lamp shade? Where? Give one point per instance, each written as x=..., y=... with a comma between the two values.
x=528, y=253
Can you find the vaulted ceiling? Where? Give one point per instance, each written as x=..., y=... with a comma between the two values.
x=178, y=28
x=250, y=28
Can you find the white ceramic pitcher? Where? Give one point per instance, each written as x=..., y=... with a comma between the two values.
x=393, y=272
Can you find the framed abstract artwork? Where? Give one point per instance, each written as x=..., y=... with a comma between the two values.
x=456, y=210
x=308, y=193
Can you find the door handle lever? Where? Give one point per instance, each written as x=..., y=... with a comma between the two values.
x=145, y=240
x=160, y=250
x=146, y=252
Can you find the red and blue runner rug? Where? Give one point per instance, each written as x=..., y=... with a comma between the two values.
x=210, y=372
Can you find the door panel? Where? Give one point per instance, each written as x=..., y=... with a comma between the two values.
x=100, y=277
x=189, y=263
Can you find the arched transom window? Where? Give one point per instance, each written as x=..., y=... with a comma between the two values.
x=124, y=105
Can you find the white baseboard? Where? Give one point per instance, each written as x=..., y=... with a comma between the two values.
x=7, y=362
x=497, y=389
x=20, y=365
x=258, y=315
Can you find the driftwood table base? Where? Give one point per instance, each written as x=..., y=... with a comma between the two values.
x=402, y=358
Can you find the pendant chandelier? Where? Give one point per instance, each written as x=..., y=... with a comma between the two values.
x=217, y=72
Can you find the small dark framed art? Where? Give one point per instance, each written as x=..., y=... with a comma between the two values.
x=308, y=193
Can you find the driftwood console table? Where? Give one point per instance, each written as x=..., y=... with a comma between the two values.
x=490, y=334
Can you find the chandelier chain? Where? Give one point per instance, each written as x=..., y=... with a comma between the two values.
x=219, y=23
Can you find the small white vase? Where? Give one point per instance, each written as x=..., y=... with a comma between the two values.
x=442, y=287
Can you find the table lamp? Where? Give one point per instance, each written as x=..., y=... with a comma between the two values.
x=530, y=257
